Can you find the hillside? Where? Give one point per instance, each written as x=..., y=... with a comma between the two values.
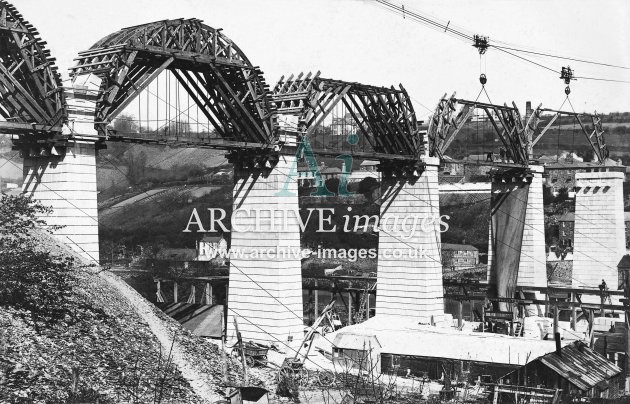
x=117, y=346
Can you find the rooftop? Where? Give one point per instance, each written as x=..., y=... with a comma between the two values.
x=459, y=247
x=211, y=238
x=404, y=337
x=360, y=342
x=624, y=262
x=177, y=254
x=580, y=365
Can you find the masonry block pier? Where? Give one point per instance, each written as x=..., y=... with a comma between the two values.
x=265, y=291
x=532, y=264
x=410, y=286
x=63, y=176
x=599, y=235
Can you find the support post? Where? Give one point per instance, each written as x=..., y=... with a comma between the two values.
x=573, y=312
x=208, y=293
x=175, y=292
x=312, y=311
x=532, y=269
x=556, y=330
x=349, y=308
x=65, y=179
x=460, y=314
x=599, y=231
x=266, y=289
x=316, y=300
x=410, y=284
x=547, y=303
x=239, y=339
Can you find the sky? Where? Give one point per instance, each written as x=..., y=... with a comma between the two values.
x=359, y=40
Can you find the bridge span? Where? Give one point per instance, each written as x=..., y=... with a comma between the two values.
x=59, y=130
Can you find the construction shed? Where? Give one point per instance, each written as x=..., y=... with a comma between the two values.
x=421, y=350
x=356, y=351
x=576, y=371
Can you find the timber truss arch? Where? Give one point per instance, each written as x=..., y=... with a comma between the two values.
x=216, y=74
x=452, y=114
x=31, y=94
x=384, y=116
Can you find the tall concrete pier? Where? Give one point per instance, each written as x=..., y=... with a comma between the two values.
x=265, y=290
x=532, y=269
x=599, y=233
x=409, y=262
x=64, y=178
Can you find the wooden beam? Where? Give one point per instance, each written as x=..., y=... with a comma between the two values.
x=113, y=89
x=137, y=89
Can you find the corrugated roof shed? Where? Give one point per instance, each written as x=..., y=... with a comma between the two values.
x=580, y=365
x=356, y=341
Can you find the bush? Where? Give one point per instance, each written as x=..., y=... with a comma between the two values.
x=31, y=279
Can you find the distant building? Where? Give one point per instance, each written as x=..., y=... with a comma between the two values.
x=560, y=172
x=178, y=256
x=343, y=125
x=623, y=269
x=330, y=172
x=211, y=246
x=566, y=228
x=368, y=168
x=452, y=167
x=307, y=175
x=458, y=256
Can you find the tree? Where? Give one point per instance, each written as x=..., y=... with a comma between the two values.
x=367, y=186
x=136, y=163
x=32, y=279
x=125, y=123
x=332, y=184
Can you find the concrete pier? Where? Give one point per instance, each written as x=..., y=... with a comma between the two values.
x=64, y=178
x=265, y=289
x=599, y=233
x=532, y=270
x=410, y=286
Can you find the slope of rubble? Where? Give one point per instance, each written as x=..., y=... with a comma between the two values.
x=115, y=347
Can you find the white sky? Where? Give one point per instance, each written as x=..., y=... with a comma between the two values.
x=357, y=40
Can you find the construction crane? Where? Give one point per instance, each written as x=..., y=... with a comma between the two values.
x=293, y=367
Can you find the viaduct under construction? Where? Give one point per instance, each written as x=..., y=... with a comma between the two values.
x=60, y=128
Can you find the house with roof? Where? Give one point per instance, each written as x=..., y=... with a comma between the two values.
x=575, y=371
x=459, y=256
x=210, y=247
x=176, y=257
x=566, y=227
x=561, y=172
x=623, y=269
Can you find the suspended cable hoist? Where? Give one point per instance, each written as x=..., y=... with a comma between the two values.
x=566, y=74
x=481, y=43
